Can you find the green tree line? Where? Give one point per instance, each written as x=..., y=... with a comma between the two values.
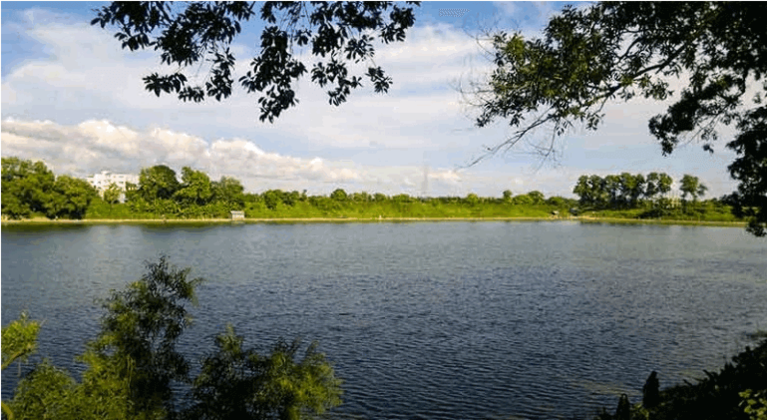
x=640, y=196
x=621, y=191
x=30, y=189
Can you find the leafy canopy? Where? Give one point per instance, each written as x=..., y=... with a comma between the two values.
x=19, y=340
x=691, y=186
x=70, y=197
x=616, y=51
x=29, y=188
x=112, y=194
x=624, y=190
x=140, y=331
x=194, y=33
x=237, y=383
x=26, y=187
x=195, y=187
x=158, y=182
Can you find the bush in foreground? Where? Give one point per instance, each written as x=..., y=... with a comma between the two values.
x=737, y=391
x=133, y=365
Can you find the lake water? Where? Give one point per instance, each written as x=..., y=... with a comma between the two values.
x=483, y=320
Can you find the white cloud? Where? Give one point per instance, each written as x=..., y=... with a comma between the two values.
x=96, y=145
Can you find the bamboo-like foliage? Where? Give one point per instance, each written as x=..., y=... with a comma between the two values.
x=133, y=365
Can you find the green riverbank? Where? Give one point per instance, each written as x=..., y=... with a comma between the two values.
x=582, y=219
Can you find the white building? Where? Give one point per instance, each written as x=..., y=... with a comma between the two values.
x=103, y=180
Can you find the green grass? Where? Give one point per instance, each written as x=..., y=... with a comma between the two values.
x=323, y=209
x=619, y=221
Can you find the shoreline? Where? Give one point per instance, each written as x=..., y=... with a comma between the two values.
x=581, y=219
x=659, y=222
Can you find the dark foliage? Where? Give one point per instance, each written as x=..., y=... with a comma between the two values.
x=614, y=51
x=30, y=188
x=339, y=32
x=237, y=383
x=717, y=396
x=140, y=331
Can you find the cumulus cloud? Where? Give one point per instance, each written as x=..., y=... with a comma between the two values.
x=96, y=145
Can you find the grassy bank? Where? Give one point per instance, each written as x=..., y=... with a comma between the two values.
x=344, y=219
x=623, y=221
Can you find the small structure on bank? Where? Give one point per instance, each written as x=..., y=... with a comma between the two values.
x=238, y=215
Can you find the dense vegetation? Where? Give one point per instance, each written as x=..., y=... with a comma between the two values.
x=647, y=197
x=133, y=368
x=737, y=391
x=30, y=189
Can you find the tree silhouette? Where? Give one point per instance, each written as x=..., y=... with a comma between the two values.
x=201, y=32
x=616, y=51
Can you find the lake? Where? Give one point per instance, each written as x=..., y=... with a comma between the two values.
x=448, y=320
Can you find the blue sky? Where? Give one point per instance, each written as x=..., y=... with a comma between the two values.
x=74, y=99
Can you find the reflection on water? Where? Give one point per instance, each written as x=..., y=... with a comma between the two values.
x=427, y=320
